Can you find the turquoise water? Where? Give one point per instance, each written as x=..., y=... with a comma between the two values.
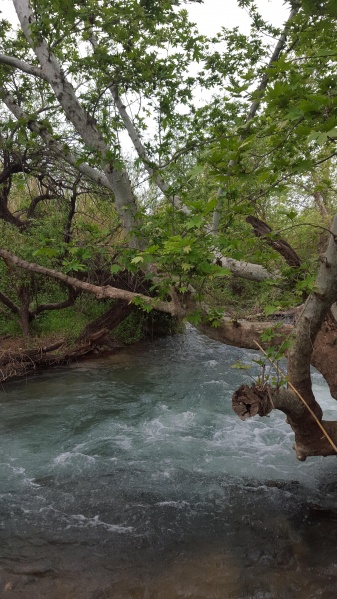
x=131, y=477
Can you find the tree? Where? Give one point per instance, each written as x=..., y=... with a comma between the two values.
x=70, y=79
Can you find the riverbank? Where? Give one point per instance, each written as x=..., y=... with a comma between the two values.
x=21, y=356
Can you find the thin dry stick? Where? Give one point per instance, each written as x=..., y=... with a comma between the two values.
x=301, y=398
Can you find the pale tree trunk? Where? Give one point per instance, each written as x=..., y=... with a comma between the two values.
x=83, y=123
x=319, y=201
x=245, y=270
x=318, y=197
x=149, y=165
x=314, y=334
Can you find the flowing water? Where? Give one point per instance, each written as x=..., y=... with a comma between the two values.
x=131, y=478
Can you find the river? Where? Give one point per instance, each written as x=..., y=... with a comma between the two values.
x=131, y=478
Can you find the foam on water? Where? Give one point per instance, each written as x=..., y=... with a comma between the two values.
x=141, y=453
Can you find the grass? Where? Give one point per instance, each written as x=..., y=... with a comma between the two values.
x=68, y=322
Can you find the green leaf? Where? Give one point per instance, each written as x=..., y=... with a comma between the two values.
x=186, y=267
x=195, y=317
x=240, y=366
x=49, y=252
x=332, y=133
x=194, y=172
x=115, y=268
x=291, y=214
x=137, y=260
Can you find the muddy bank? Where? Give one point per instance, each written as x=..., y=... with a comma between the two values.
x=20, y=356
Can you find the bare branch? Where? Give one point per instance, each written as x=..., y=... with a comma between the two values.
x=9, y=304
x=70, y=301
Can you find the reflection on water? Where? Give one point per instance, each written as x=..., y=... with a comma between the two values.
x=131, y=478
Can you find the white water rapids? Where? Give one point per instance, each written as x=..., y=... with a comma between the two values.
x=131, y=477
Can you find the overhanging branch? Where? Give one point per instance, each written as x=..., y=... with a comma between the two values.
x=100, y=292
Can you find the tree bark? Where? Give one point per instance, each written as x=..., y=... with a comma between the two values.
x=242, y=333
x=24, y=296
x=245, y=270
x=261, y=229
x=309, y=440
x=319, y=201
x=9, y=304
x=313, y=327
x=109, y=320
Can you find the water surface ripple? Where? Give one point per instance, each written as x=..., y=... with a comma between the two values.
x=130, y=477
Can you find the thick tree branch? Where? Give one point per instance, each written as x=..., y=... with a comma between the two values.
x=11, y=169
x=149, y=165
x=8, y=217
x=70, y=301
x=71, y=213
x=245, y=270
x=261, y=229
x=100, y=292
x=258, y=93
x=309, y=439
x=308, y=332
x=35, y=201
x=22, y=66
x=242, y=333
x=313, y=315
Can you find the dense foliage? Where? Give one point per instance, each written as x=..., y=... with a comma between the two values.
x=175, y=211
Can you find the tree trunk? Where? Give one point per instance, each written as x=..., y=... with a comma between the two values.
x=309, y=440
x=24, y=314
x=84, y=124
x=314, y=328
x=109, y=320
